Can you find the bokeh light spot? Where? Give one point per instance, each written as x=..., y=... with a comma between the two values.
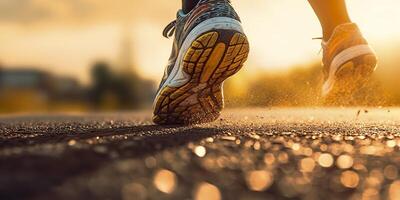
x=349, y=179
x=200, y=151
x=325, y=160
x=391, y=143
x=259, y=180
x=391, y=172
x=394, y=190
x=344, y=162
x=269, y=158
x=71, y=142
x=296, y=146
x=207, y=191
x=283, y=157
x=165, y=181
x=307, y=164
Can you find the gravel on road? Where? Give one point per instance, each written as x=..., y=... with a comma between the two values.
x=260, y=153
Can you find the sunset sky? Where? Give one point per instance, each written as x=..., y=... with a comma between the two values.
x=67, y=36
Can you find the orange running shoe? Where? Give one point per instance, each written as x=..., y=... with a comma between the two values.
x=348, y=63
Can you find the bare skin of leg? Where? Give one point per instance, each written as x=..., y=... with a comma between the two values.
x=330, y=13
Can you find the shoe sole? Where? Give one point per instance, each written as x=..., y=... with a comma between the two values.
x=349, y=78
x=211, y=59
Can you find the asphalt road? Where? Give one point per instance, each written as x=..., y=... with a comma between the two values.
x=247, y=154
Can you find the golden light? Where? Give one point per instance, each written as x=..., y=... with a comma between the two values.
x=257, y=145
x=391, y=172
x=349, y=179
x=375, y=179
x=307, y=151
x=325, y=160
x=394, y=190
x=370, y=193
x=296, y=146
x=165, y=181
x=323, y=147
x=269, y=158
x=277, y=41
x=200, y=151
x=207, y=191
x=283, y=157
x=259, y=180
x=391, y=143
x=344, y=162
x=71, y=142
x=307, y=164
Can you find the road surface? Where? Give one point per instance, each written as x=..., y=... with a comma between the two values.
x=247, y=154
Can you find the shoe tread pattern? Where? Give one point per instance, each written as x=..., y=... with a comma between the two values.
x=211, y=59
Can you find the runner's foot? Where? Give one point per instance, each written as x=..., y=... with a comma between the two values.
x=348, y=63
x=209, y=47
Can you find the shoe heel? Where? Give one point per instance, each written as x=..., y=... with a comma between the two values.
x=211, y=58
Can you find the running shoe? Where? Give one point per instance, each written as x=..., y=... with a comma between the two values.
x=348, y=64
x=209, y=46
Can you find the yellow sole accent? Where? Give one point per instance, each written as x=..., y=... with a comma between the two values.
x=209, y=61
x=213, y=62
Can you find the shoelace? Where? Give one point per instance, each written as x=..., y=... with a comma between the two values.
x=169, y=29
x=322, y=47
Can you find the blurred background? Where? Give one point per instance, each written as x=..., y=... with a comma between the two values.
x=99, y=55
